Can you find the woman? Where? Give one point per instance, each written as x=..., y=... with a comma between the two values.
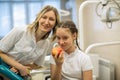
x=71, y=63
x=29, y=44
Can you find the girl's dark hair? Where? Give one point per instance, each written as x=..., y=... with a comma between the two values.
x=72, y=27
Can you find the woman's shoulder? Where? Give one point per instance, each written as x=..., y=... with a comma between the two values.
x=20, y=28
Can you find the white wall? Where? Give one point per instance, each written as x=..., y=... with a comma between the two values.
x=94, y=31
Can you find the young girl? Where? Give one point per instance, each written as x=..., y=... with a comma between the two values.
x=72, y=63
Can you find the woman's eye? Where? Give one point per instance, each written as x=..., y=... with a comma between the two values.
x=44, y=17
x=51, y=19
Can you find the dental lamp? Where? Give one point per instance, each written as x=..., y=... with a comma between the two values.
x=64, y=12
x=109, y=14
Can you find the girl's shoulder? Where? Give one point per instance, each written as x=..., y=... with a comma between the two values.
x=82, y=54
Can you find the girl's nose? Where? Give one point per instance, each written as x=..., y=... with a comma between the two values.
x=61, y=42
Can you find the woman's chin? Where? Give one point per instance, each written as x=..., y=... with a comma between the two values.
x=44, y=30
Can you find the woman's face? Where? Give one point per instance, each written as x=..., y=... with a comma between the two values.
x=47, y=21
x=65, y=39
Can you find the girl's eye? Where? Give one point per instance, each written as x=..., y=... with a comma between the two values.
x=57, y=37
x=65, y=37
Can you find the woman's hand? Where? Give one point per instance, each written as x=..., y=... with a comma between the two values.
x=14, y=70
x=33, y=66
x=24, y=71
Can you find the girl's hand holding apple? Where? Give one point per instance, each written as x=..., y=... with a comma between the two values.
x=57, y=53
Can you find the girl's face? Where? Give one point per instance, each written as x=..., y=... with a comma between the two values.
x=65, y=39
x=47, y=21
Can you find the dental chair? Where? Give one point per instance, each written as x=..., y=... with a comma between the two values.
x=5, y=70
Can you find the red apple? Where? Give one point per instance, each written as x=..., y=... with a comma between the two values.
x=56, y=50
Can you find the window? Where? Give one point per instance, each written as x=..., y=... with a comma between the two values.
x=20, y=12
x=5, y=19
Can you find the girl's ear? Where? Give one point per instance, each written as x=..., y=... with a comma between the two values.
x=74, y=36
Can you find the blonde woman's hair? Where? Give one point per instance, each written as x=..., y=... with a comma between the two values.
x=33, y=27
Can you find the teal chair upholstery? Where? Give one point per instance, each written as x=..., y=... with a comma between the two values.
x=5, y=70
